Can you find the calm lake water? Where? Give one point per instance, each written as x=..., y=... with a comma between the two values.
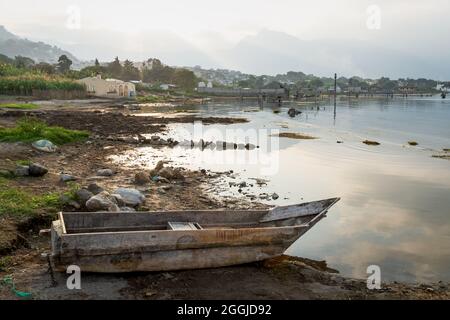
x=395, y=198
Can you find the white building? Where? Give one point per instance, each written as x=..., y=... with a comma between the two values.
x=201, y=84
x=166, y=86
x=209, y=85
x=113, y=88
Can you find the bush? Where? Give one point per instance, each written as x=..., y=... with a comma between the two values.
x=25, y=84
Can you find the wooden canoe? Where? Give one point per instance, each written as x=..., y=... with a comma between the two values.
x=174, y=240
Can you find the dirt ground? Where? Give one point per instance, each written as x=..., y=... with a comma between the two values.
x=280, y=278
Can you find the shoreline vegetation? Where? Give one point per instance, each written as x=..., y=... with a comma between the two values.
x=30, y=130
x=23, y=76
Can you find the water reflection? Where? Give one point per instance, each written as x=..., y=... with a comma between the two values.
x=395, y=207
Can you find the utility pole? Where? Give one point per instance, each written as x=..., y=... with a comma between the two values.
x=335, y=93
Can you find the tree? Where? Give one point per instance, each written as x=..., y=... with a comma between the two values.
x=97, y=64
x=6, y=59
x=63, y=64
x=184, y=79
x=23, y=62
x=115, y=68
x=130, y=72
x=45, y=67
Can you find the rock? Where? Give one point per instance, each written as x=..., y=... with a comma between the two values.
x=74, y=204
x=127, y=209
x=154, y=138
x=163, y=142
x=44, y=145
x=243, y=184
x=160, y=179
x=339, y=141
x=263, y=195
x=105, y=172
x=157, y=168
x=292, y=112
x=64, y=177
x=142, y=177
x=119, y=199
x=131, y=197
x=164, y=189
x=64, y=199
x=102, y=202
x=275, y=196
x=95, y=188
x=171, y=173
x=37, y=170
x=22, y=171
x=250, y=146
x=83, y=196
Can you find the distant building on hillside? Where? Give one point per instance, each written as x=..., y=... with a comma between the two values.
x=167, y=86
x=113, y=88
x=201, y=84
x=209, y=85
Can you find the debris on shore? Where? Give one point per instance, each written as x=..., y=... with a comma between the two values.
x=294, y=135
x=371, y=143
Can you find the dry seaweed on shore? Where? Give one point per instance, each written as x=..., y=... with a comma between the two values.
x=371, y=143
x=294, y=135
x=441, y=156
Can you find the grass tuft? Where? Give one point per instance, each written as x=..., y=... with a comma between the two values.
x=23, y=106
x=15, y=202
x=29, y=130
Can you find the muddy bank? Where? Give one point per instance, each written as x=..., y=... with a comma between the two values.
x=102, y=122
x=278, y=278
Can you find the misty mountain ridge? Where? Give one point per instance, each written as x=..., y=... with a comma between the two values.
x=266, y=52
x=12, y=46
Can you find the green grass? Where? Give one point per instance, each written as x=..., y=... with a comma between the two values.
x=29, y=130
x=151, y=99
x=24, y=84
x=23, y=106
x=5, y=263
x=23, y=162
x=15, y=202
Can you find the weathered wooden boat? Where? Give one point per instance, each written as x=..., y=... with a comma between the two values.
x=174, y=240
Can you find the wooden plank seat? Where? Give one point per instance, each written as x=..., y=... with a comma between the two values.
x=183, y=226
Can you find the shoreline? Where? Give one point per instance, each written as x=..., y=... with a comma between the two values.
x=284, y=278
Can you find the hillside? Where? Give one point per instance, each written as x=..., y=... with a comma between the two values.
x=11, y=45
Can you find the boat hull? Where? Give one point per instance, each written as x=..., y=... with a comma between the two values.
x=169, y=260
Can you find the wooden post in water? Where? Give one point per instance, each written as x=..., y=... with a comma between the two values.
x=335, y=93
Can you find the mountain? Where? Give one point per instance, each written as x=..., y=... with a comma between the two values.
x=11, y=45
x=271, y=52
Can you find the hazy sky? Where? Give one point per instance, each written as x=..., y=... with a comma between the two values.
x=414, y=27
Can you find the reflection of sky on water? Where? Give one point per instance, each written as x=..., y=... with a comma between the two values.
x=395, y=207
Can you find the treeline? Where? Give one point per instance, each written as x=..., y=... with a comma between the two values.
x=299, y=80
x=152, y=71
x=21, y=76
